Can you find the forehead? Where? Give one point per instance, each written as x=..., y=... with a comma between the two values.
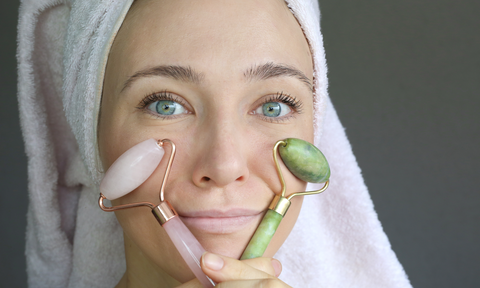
x=211, y=36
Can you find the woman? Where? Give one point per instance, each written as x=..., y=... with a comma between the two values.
x=207, y=83
x=224, y=80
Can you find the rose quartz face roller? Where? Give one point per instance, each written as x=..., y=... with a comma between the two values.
x=128, y=172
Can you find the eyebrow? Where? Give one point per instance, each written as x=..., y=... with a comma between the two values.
x=186, y=74
x=272, y=70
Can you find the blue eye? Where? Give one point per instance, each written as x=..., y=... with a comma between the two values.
x=166, y=107
x=273, y=109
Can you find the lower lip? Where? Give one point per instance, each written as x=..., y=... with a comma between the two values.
x=220, y=225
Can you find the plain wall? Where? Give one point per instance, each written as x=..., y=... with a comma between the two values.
x=405, y=80
x=13, y=162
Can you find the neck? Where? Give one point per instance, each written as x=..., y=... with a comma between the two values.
x=141, y=271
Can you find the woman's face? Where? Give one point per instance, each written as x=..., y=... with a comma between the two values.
x=224, y=80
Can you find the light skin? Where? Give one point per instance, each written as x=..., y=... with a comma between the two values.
x=224, y=80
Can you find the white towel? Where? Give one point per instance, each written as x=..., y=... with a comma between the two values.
x=63, y=47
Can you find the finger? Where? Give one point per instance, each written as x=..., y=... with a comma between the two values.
x=273, y=268
x=263, y=283
x=221, y=268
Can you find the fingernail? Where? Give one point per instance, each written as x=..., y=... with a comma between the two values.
x=212, y=261
x=277, y=266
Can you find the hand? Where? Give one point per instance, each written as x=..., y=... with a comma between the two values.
x=229, y=272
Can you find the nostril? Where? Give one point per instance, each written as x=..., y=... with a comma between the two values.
x=205, y=179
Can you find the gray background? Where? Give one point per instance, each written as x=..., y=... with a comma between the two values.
x=405, y=79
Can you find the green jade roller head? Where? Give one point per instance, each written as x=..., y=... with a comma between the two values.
x=307, y=163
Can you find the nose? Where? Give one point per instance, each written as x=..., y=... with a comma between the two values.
x=222, y=157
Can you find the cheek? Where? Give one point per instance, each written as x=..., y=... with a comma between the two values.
x=145, y=236
x=117, y=134
x=118, y=128
x=105, y=142
x=109, y=144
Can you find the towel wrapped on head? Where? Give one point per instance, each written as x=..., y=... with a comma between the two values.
x=62, y=53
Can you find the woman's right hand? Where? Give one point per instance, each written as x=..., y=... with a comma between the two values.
x=229, y=272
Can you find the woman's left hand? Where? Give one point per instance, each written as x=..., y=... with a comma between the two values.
x=229, y=272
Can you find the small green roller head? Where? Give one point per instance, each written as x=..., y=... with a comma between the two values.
x=305, y=161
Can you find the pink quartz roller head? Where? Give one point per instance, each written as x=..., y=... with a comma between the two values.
x=131, y=169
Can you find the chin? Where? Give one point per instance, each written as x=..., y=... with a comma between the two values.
x=227, y=250
x=227, y=245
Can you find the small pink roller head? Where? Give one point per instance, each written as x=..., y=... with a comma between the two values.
x=131, y=169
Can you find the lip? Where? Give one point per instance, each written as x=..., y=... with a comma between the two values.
x=221, y=222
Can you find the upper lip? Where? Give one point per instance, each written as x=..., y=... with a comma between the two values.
x=237, y=212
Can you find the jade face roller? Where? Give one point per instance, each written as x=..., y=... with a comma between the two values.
x=307, y=163
x=128, y=172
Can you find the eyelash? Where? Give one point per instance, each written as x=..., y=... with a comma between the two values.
x=289, y=100
x=295, y=104
x=160, y=96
